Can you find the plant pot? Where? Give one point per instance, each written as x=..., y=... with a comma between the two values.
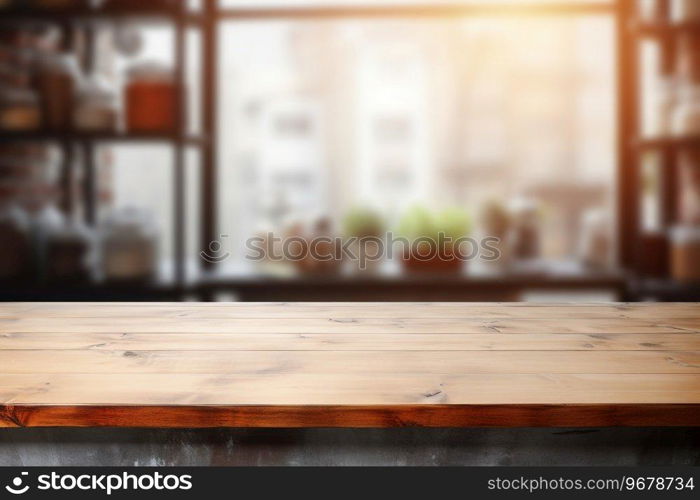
x=310, y=265
x=426, y=258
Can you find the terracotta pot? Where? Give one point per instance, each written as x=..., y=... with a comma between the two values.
x=425, y=258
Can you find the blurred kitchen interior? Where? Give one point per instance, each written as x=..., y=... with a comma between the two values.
x=142, y=144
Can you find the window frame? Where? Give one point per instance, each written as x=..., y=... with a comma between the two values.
x=621, y=11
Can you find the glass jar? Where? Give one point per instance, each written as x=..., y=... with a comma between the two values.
x=96, y=107
x=151, y=98
x=57, y=79
x=686, y=118
x=19, y=109
x=685, y=254
x=129, y=246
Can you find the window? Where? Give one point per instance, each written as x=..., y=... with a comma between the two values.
x=320, y=115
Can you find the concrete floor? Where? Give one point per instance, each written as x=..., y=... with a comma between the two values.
x=408, y=446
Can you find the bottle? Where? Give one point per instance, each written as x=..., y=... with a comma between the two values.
x=57, y=79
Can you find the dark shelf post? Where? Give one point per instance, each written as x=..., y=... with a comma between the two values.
x=179, y=195
x=90, y=183
x=209, y=151
x=89, y=62
x=628, y=126
x=669, y=157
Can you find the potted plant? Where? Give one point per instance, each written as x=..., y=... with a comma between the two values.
x=367, y=229
x=432, y=239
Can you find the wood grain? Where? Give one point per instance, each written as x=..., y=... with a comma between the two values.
x=346, y=389
x=349, y=364
x=471, y=310
x=129, y=324
x=196, y=341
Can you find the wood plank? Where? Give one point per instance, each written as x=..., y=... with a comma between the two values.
x=504, y=415
x=349, y=362
x=346, y=389
x=351, y=310
x=351, y=342
x=342, y=325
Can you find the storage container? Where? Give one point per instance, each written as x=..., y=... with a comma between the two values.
x=96, y=107
x=57, y=79
x=151, y=99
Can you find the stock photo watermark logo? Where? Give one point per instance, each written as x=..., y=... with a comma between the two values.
x=361, y=250
x=215, y=253
x=103, y=483
x=17, y=485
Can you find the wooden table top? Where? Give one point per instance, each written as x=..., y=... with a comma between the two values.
x=348, y=364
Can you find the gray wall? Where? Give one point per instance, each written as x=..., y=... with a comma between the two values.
x=408, y=446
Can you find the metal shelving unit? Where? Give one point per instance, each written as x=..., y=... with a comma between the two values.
x=666, y=35
x=82, y=20
x=208, y=21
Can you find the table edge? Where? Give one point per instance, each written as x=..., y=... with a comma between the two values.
x=351, y=416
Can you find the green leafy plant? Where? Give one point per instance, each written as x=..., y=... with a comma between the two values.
x=364, y=222
x=419, y=222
